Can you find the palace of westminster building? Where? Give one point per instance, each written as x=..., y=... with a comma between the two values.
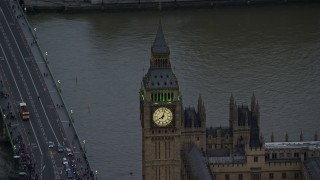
x=177, y=145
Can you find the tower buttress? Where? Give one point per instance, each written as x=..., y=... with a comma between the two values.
x=246, y=120
x=202, y=112
x=257, y=112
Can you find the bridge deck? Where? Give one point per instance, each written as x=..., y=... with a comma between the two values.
x=25, y=76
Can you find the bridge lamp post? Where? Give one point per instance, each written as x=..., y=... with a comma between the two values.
x=14, y=149
x=71, y=112
x=35, y=32
x=46, y=57
x=96, y=174
x=84, y=146
x=59, y=89
x=4, y=130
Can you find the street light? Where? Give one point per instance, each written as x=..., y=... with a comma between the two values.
x=84, y=146
x=35, y=32
x=96, y=174
x=46, y=57
x=71, y=112
x=14, y=148
x=59, y=89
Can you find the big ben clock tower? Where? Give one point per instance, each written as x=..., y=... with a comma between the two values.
x=160, y=115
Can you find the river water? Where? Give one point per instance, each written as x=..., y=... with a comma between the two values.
x=100, y=59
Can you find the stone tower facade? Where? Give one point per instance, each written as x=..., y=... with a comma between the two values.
x=244, y=123
x=161, y=116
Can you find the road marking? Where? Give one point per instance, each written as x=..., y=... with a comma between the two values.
x=15, y=82
x=45, y=113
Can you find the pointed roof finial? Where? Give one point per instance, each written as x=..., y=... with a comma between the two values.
x=253, y=101
x=160, y=46
x=286, y=137
x=301, y=136
x=200, y=99
x=272, y=137
x=231, y=98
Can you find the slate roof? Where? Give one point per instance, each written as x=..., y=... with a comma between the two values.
x=218, y=152
x=197, y=163
x=313, y=167
x=159, y=45
x=160, y=79
x=310, y=145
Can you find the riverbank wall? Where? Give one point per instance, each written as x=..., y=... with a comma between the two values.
x=109, y=5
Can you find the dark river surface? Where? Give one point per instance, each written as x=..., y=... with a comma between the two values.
x=100, y=58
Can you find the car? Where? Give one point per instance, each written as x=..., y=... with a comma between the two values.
x=69, y=174
x=73, y=163
x=60, y=148
x=69, y=153
x=67, y=167
x=51, y=144
x=64, y=160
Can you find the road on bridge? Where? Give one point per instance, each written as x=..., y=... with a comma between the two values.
x=25, y=83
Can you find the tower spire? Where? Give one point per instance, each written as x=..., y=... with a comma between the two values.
x=159, y=46
x=301, y=136
x=272, y=137
x=253, y=101
x=286, y=138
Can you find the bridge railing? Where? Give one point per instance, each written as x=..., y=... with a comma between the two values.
x=3, y=117
x=44, y=58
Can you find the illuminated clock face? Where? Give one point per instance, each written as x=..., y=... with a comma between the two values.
x=162, y=116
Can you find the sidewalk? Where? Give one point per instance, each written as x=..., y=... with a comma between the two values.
x=65, y=114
